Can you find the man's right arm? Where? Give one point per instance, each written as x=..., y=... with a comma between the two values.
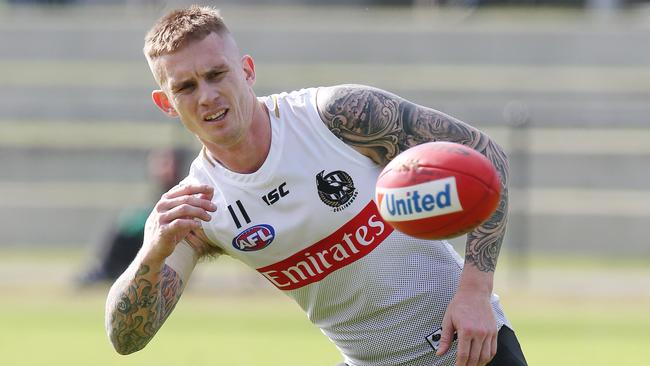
x=145, y=294
x=139, y=303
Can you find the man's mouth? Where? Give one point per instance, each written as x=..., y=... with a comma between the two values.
x=216, y=116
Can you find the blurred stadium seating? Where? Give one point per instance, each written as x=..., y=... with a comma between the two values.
x=564, y=90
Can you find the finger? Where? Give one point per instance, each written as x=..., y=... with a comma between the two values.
x=188, y=189
x=207, y=196
x=446, y=337
x=178, y=229
x=463, y=350
x=184, y=224
x=167, y=204
x=474, y=353
x=184, y=211
x=494, y=342
x=486, y=352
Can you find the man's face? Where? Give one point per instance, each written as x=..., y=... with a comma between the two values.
x=210, y=88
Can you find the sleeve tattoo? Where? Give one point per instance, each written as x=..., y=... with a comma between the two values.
x=142, y=307
x=381, y=125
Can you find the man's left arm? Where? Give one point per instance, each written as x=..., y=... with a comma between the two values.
x=381, y=125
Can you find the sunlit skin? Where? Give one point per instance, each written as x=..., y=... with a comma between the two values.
x=209, y=77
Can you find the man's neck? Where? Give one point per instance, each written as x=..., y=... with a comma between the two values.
x=249, y=155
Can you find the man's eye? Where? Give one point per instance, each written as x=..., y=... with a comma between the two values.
x=184, y=88
x=215, y=75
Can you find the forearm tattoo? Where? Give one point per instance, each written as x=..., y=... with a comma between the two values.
x=381, y=125
x=142, y=307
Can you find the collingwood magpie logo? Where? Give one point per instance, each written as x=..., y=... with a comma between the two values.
x=336, y=189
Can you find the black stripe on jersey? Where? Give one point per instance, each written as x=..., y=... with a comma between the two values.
x=234, y=217
x=243, y=212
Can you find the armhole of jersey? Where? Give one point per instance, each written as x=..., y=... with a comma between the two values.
x=183, y=260
x=331, y=139
x=203, y=161
x=212, y=240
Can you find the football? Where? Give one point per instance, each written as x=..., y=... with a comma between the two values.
x=437, y=190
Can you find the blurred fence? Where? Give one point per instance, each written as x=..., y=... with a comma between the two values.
x=565, y=91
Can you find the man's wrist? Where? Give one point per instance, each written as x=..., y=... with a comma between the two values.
x=153, y=260
x=475, y=280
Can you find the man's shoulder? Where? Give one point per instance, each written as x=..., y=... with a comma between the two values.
x=320, y=97
x=332, y=96
x=298, y=96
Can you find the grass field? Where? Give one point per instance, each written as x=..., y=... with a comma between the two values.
x=45, y=321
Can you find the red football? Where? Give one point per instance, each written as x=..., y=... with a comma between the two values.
x=437, y=190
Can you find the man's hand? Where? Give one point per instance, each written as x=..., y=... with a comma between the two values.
x=145, y=294
x=470, y=315
x=173, y=218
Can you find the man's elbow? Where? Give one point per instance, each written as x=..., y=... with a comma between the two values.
x=125, y=345
x=123, y=351
x=126, y=349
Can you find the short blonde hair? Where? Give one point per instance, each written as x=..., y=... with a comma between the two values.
x=180, y=27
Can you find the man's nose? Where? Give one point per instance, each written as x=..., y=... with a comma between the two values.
x=208, y=94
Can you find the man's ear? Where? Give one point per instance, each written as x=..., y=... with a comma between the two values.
x=162, y=102
x=248, y=65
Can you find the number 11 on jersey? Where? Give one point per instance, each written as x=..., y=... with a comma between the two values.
x=243, y=212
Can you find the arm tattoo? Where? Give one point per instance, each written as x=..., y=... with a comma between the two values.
x=381, y=125
x=142, y=307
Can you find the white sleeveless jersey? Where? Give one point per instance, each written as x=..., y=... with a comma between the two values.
x=307, y=222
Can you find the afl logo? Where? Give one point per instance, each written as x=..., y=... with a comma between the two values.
x=254, y=238
x=336, y=189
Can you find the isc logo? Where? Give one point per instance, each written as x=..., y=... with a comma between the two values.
x=275, y=195
x=254, y=238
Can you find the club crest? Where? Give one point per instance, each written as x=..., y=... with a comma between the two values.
x=336, y=189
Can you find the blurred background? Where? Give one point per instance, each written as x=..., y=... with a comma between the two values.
x=562, y=85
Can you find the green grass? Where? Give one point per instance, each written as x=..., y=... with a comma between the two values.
x=585, y=332
x=49, y=323
x=67, y=329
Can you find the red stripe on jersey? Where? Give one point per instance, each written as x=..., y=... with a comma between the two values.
x=349, y=243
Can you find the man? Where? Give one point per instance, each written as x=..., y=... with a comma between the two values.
x=285, y=184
